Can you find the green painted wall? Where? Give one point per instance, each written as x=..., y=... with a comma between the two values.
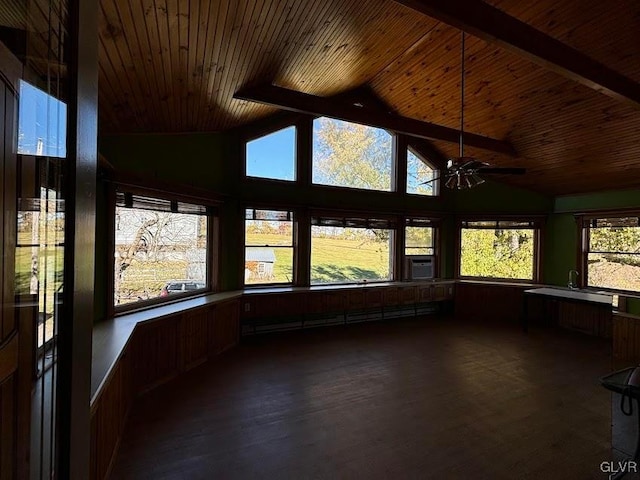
x=201, y=159
x=497, y=198
x=598, y=201
x=633, y=305
x=559, y=249
x=448, y=236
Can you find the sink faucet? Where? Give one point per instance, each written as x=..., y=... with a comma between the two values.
x=573, y=280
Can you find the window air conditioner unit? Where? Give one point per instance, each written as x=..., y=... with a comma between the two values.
x=419, y=267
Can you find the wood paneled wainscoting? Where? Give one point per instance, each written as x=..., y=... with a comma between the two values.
x=152, y=353
x=504, y=302
x=290, y=309
x=490, y=300
x=626, y=340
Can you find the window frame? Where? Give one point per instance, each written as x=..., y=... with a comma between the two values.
x=436, y=183
x=294, y=245
x=259, y=133
x=393, y=180
x=434, y=224
x=583, y=221
x=212, y=246
x=340, y=215
x=536, y=223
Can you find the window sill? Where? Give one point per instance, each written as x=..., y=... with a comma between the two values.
x=344, y=286
x=111, y=336
x=143, y=305
x=500, y=282
x=611, y=291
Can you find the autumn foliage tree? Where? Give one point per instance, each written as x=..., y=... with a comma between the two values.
x=498, y=253
x=618, y=241
x=614, y=261
x=351, y=155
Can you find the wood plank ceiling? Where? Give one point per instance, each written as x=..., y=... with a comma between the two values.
x=174, y=65
x=35, y=32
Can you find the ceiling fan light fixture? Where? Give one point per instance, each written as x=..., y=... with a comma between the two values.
x=451, y=182
x=467, y=181
x=477, y=179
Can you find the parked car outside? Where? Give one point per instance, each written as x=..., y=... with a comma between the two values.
x=180, y=286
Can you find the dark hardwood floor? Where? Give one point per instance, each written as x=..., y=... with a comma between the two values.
x=425, y=398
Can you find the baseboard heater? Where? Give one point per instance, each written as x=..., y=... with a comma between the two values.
x=268, y=325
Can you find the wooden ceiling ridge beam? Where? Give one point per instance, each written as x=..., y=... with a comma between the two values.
x=495, y=26
x=299, y=102
x=369, y=99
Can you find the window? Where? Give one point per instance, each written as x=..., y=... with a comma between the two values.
x=351, y=155
x=268, y=256
x=160, y=249
x=421, y=176
x=419, y=237
x=347, y=249
x=42, y=124
x=39, y=252
x=499, y=249
x=273, y=156
x=612, y=253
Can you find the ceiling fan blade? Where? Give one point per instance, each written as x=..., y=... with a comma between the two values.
x=433, y=180
x=472, y=164
x=502, y=170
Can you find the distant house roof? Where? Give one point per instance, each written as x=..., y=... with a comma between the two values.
x=265, y=255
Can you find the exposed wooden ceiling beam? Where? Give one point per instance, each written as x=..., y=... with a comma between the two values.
x=488, y=23
x=304, y=103
x=368, y=98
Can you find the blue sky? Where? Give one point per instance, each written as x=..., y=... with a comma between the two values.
x=273, y=156
x=41, y=117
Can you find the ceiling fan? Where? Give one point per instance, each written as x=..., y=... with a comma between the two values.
x=464, y=172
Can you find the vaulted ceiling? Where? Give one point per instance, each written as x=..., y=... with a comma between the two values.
x=174, y=66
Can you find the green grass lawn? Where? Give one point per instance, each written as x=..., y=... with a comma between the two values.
x=338, y=260
x=50, y=269
x=332, y=259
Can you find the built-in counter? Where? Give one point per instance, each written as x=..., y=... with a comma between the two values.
x=569, y=294
x=111, y=337
x=584, y=311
